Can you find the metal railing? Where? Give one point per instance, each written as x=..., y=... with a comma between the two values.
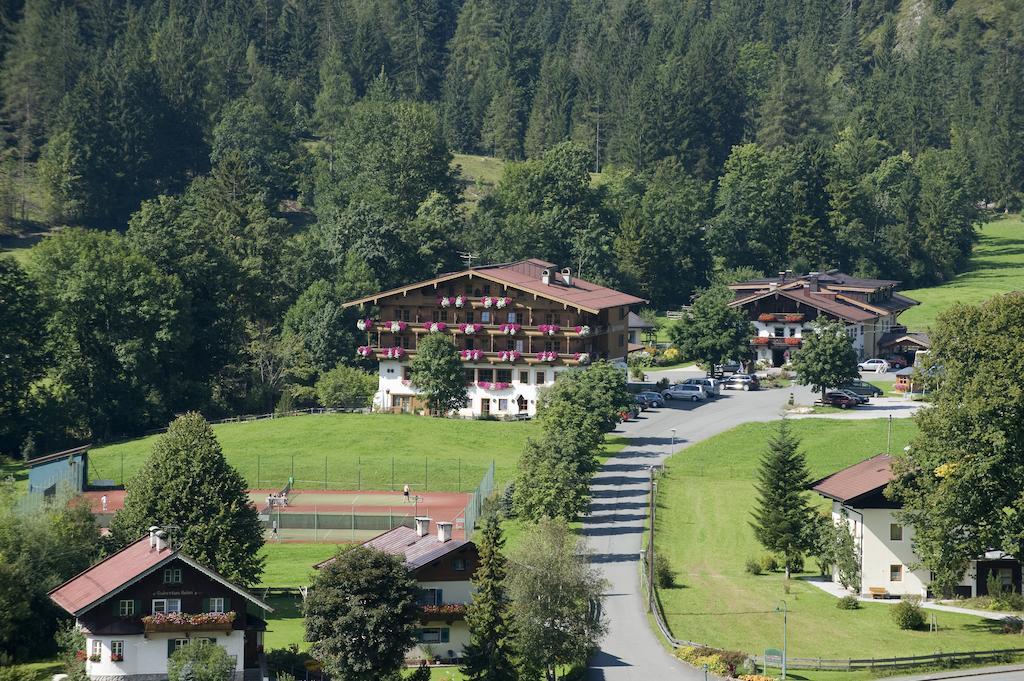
x=881, y=663
x=475, y=506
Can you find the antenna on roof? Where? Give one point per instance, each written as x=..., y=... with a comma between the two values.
x=170, y=530
x=468, y=258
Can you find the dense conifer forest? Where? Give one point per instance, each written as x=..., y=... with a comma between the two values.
x=222, y=174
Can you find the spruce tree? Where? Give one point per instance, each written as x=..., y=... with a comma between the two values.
x=187, y=483
x=783, y=519
x=488, y=657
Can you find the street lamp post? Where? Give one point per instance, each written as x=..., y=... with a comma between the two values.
x=673, y=436
x=785, y=617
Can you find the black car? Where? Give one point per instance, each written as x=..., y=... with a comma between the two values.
x=862, y=388
x=742, y=382
x=641, y=402
x=861, y=399
x=728, y=368
x=841, y=400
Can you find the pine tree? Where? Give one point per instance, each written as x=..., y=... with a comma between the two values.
x=489, y=655
x=783, y=519
x=187, y=483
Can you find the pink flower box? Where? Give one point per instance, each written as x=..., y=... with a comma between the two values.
x=489, y=302
x=509, y=355
x=397, y=326
x=583, y=330
x=364, y=351
x=547, y=356
x=470, y=329
x=394, y=353
x=365, y=325
x=435, y=327
x=510, y=329
x=472, y=355
x=583, y=358
x=549, y=329
x=497, y=385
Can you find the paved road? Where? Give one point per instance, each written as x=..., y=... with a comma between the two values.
x=999, y=673
x=631, y=651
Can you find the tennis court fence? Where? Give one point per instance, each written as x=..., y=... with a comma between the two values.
x=475, y=507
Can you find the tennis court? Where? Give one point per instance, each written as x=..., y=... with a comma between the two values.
x=352, y=516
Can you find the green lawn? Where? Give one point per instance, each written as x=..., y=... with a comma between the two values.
x=358, y=451
x=290, y=564
x=997, y=266
x=705, y=500
x=38, y=671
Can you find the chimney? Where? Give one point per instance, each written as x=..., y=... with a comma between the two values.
x=422, y=526
x=152, y=536
x=567, y=276
x=545, y=276
x=444, y=532
x=161, y=540
x=773, y=285
x=782, y=277
x=812, y=282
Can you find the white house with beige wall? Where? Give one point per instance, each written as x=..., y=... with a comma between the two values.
x=888, y=563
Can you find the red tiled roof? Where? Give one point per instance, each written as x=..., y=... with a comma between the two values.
x=857, y=480
x=108, y=575
x=403, y=541
x=526, y=275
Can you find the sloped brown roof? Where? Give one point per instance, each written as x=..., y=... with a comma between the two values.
x=526, y=276
x=635, y=321
x=820, y=300
x=892, y=338
x=403, y=541
x=109, y=574
x=857, y=480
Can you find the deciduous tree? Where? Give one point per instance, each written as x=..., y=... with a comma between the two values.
x=437, y=373
x=827, y=358
x=186, y=482
x=361, y=615
x=713, y=332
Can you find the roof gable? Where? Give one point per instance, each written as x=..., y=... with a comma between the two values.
x=120, y=570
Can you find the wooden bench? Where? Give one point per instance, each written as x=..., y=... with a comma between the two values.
x=878, y=592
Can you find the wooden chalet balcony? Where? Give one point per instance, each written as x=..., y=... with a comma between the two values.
x=492, y=329
x=775, y=342
x=500, y=357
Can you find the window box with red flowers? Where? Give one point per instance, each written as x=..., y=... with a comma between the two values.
x=547, y=356
x=793, y=341
x=116, y=657
x=448, y=612
x=497, y=385
x=794, y=318
x=183, y=621
x=766, y=317
x=761, y=340
x=549, y=329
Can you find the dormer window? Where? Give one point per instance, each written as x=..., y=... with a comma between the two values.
x=172, y=576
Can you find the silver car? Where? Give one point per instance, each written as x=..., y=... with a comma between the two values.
x=712, y=387
x=684, y=391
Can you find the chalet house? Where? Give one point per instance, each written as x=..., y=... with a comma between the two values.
x=782, y=309
x=139, y=605
x=443, y=568
x=515, y=326
x=886, y=547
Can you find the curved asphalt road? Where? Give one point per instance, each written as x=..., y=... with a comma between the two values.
x=614, y=529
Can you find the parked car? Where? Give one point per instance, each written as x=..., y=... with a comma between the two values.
x=862, y=388
x=712, y=386
x=861, y=399
x=897, y=361
x=640, y=401
x=839, y=399
x=683, y=391
x=876, y=364
x=653, y=399
x=730, y=367
x=742, y=382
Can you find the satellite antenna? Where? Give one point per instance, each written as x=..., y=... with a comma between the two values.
x=468, y=258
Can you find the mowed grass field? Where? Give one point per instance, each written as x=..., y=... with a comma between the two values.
x=997, y=266
x=349, y=451
x=705, y=501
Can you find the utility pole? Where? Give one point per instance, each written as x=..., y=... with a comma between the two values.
x=785, y=616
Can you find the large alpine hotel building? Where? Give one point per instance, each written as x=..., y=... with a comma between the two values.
x=515, y=325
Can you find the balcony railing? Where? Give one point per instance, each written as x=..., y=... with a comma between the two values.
x=482, y=328
x=776, y=342
x=496, y=357
x=448, y=612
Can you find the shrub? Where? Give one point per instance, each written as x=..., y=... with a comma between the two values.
x=753, y=566
x=1012, y=625
x=769, y=563
x=848, y=603
x=908, y=614
x=664, y=577
x=207, y=662
x=756, y=677
x=699, y=656
x=345, y=386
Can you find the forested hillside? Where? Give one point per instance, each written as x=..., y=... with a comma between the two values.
x=230, y=171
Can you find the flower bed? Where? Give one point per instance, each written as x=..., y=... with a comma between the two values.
x=549, y=329
x=397, y=326
x=472, y=355
x=435, y=327
x=497, y=385
x=547, y=356
x=470, y=329
x=365, y=325
x=183, y=621
x=510, y=329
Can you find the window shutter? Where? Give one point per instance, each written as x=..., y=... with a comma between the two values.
x=206, y=605
x=444, y=634
x=117, y=607
x=170, y=647
x=138, y=609
x=440, y=597
x=227, y=604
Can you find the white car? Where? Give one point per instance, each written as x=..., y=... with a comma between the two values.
x=694, y=393
x=877, y=365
